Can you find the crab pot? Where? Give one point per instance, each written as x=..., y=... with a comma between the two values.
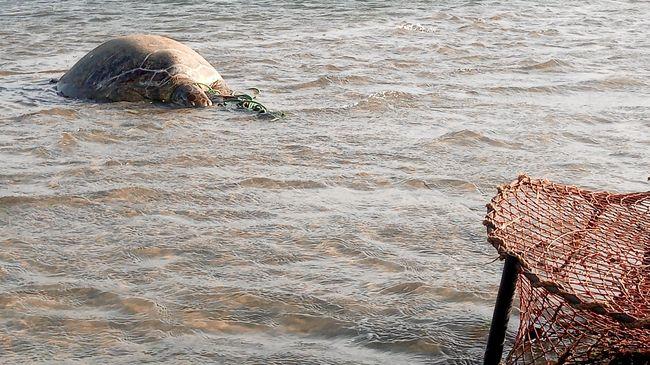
x=501, y=315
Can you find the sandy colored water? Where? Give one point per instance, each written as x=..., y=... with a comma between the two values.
x=348, y=232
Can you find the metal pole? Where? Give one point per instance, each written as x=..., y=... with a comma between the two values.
x=501, y=315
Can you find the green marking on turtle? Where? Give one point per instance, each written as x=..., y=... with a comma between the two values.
x=143, y=67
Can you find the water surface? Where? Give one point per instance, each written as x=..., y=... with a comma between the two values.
x=348, y=232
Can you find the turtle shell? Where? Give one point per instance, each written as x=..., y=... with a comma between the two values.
x=138, y=67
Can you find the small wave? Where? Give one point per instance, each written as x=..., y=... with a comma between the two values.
x=416, y=27
x=550, y=65
x=331, y=80
x=467, y=137
x=153, y=257
x=10, y=73
x=388, y=98
x=156, y=252
x=605, y=84
x=453, y=184
x=391, y=95
x=194, y=160
x=402, y=288
x=415, y=184
x=528, y=89
x=467, y=71
x=266, y=183
x=545, y=32
x=330, y=67
x=501, y=16
x=609, y=83
x=268, y=61
x=67, y=140
x=380, y=264
x=402, y=64
x=455, y=295
x=133, y=194
x=57, y=112
x=418, y=345
x=449, y=50
x=111, y=162
x=314, y=325
x=206, y=322
x=363, y=182
x=476, y=25
x=91, y=297
x=98, y=136
x=129, y=194
x=44, y=200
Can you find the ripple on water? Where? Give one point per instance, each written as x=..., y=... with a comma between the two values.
x=514, y=90
x=268, y=183
x=44, y=200
x=98, y=136
x=133, y=194
x=389, y=99
x=457, y=186
x=402, y=288
x=416, y=27
x=331, y=80
x=550, y=65
x=467, y=138
x=610, y=83
x=68, y=141
x=65, y=113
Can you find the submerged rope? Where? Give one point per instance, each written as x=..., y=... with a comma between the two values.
x=243, y=101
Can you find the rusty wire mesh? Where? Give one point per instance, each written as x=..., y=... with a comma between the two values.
x=585, y=259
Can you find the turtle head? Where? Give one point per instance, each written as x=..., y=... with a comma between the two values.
x=190, y=95
x=221, y=87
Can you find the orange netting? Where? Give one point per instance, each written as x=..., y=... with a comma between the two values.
x=584, y=283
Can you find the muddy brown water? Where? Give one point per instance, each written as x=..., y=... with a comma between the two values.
x=348, y=232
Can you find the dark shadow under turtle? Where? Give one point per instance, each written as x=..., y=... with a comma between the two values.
x=143, y=67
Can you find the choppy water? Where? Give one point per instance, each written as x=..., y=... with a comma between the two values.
x=347, y=233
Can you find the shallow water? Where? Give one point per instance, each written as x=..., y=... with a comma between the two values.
x=348, y=232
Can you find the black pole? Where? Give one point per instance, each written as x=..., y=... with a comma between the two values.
x=501, y=315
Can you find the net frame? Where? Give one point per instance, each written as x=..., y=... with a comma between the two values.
x=584, y=263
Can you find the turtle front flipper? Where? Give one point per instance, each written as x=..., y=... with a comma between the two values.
x=190, y=95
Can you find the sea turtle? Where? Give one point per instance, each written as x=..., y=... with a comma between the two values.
x=143, y=67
